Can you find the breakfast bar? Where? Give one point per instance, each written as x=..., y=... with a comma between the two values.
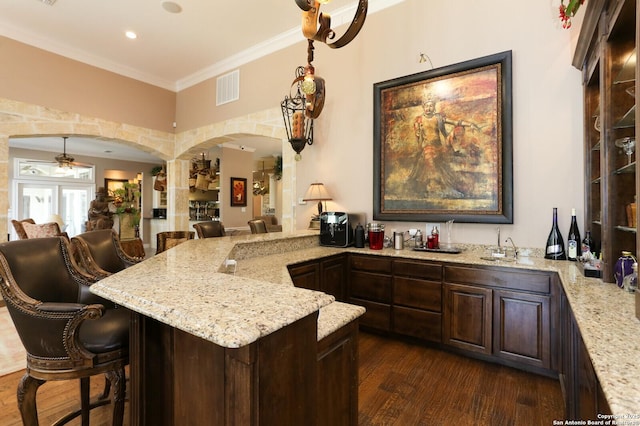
x=208, y=346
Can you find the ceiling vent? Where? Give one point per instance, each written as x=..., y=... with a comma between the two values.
x=49, y=2
x=228, y=88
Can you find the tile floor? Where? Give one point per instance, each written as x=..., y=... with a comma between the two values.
x=12, y=353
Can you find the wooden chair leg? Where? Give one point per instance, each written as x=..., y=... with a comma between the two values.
x=107, y=388
x=84, y=401
x=118, y=380
x=27, y=389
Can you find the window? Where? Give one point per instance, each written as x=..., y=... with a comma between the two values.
x=41, y=189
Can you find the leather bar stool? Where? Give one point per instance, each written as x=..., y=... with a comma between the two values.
x=68, y=332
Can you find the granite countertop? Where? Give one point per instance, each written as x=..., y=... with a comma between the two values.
x=156, y=287
x=183, y=288
x=187, y=288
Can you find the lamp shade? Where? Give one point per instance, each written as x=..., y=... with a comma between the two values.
x=317, y=192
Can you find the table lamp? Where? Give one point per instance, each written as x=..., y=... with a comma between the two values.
x=316, y=192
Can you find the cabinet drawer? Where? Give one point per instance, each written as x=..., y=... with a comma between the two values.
x=369, y=286
x=371, y=263
x=525, y=281
x=419, y=294
x=378, y=315
x=424, y=270
x=417, y=323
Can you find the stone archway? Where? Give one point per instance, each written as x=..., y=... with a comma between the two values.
x=22, y=119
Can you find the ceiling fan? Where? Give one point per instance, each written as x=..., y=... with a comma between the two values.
x=64, y=161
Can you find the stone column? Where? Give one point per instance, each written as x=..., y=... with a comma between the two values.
x=178, y=195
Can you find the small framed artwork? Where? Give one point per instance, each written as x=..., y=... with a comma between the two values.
x=112, y=184
x=238, y=192
x=443, y=144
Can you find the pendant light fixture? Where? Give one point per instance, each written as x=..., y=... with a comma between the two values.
x=64, y=161
x=307, y=93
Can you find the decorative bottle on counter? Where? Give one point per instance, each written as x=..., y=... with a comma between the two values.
x=418, y=239
x=433, y=240
x=587, y=245
x=574, y=249
x=631, y=281
x=624, y=267
x=555, y=243
x=359, y=236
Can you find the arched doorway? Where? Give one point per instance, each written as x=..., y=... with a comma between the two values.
x=176, y=150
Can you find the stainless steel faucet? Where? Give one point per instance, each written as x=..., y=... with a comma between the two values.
x=515, y=249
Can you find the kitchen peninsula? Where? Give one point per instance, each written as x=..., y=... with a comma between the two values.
x=207, y=346
x=180, y=289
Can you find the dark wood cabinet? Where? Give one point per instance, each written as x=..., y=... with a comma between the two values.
x=306, y=275
x=521, y=331
x=370, y=285
x=506, y=314
x=606, y=55
x=417, y=299
x=583, y=395
x=467, y=317
x=328, y=275
x=333, y=276
x=338, y=377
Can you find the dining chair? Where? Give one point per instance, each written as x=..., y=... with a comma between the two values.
x=271, y=222
x=100, y=252
x=28, y=228
x=258, y=226
x=169, y=239
x=68, y=332
x=209, y=229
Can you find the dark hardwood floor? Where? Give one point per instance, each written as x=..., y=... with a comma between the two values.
x=400, y=384
x=409, y=384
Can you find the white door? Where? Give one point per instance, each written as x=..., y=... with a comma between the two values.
x=40, y=200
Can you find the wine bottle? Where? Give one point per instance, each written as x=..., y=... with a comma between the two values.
x=574, y=244
x=588, y=245
x=555, y=242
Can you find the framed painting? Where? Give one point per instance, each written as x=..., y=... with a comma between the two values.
x=443, y=144
x=238, y=192
x=112, y=184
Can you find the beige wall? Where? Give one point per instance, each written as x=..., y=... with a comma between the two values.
x=238, y=164
x=547, y=105
x=37, y=77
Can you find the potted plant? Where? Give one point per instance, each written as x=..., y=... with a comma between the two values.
x=127, y=202
x=277, y=168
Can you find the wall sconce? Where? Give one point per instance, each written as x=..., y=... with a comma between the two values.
x=317, y=192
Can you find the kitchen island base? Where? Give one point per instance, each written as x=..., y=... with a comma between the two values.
x=287, y=377
x=178, y=378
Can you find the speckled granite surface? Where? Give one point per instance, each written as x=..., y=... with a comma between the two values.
x=233, y=310
x=182, y=288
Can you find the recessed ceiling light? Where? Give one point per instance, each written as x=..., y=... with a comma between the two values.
x=131, y=35
x=171, y=7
